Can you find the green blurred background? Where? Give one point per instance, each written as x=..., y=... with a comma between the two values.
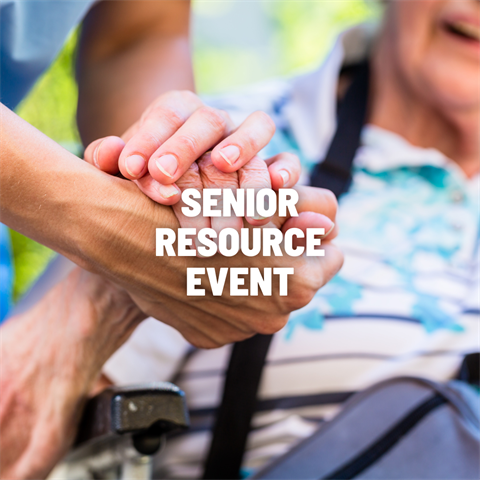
x=235, y=43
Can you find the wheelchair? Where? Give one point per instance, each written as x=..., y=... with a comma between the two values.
x=120, y=430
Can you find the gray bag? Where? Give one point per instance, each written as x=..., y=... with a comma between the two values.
x=402, y=428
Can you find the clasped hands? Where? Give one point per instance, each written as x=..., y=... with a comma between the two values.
x=54, y=352
x=163, y=154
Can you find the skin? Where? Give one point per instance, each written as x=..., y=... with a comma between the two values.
x=186, y=128
x=117, y=78
x=84, y=319
x=106, y=225
x=425, y=79
x=111, y=232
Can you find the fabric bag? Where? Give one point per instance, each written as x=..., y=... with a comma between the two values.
x=402, y=428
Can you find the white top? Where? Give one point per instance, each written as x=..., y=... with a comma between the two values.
x=406, y=301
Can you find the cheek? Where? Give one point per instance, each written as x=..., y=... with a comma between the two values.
x=411, y=31
x=430, y=65
x=451, y=81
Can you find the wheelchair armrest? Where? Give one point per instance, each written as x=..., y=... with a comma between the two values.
x=146, y=411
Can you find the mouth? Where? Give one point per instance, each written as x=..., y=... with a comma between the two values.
x=463, y=30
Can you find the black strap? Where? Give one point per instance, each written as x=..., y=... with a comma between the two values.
x=244, y=371
x=235, y=414
x=334, y=172
x=470, y=369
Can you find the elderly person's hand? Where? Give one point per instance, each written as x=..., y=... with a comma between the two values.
x=51, y=357
x=161, y=150
x=107, y=225
x=209, y=321
x=179, y=126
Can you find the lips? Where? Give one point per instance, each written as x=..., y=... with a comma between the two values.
x=464, y=29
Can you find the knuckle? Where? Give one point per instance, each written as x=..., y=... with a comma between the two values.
x=171, y=114
x=188, y=145
x=148, y=137
x=212, y=177
x=254, y=173
x=191, y=178
x=271, y=326
x=215, y=118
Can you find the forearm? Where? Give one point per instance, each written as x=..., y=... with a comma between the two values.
x=51, y=356
x=60, y=201
x=118, y=79
x=37, y=177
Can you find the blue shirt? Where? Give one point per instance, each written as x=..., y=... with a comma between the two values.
x=32, y=33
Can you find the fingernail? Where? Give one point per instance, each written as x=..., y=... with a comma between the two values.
x=95, y=154
x=167, y=191
x=167, y=165
x=259, y=217
x=285, y=176
x=230, y=154
x=329, y=231
x=135, y=165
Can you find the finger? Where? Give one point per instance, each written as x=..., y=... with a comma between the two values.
x=158, y=124
x=214, y=178
x=311, y=199
x=284, y=170
x=332, y=262
x=163, y=194
x=191, y=179
x=104, y=153
x=205, y=128
x=244, y=143
x=255, y=175
x=310, y=220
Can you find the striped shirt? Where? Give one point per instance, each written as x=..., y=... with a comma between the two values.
x=406, y=301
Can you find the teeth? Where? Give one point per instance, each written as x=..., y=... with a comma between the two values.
x=467, y=29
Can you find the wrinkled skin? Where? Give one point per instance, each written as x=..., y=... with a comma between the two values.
x=179, y=124
x=51, y=356
x=426, y=77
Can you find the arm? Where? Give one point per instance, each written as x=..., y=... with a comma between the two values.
x=55, y=198
x=107, y=225
x=50, y=360
x=129, y=53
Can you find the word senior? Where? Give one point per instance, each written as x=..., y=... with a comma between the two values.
x=243, y=202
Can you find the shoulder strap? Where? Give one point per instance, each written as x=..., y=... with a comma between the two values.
x=470, y=369
x=244, y=371
x=334, y=172
x=235, y=413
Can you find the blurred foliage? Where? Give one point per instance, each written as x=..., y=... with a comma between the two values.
x=291, y=35
x=50, y=107
x=301, y=32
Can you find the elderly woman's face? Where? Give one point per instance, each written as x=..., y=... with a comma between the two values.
x=436, y=48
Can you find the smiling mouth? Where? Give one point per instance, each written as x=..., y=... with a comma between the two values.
x=465, y=30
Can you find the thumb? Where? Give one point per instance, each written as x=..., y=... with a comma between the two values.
x=104, y=153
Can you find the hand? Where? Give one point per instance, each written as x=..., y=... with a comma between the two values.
x=178, y=128
x=209, y=322
x=51, y=357
x=106, y=225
